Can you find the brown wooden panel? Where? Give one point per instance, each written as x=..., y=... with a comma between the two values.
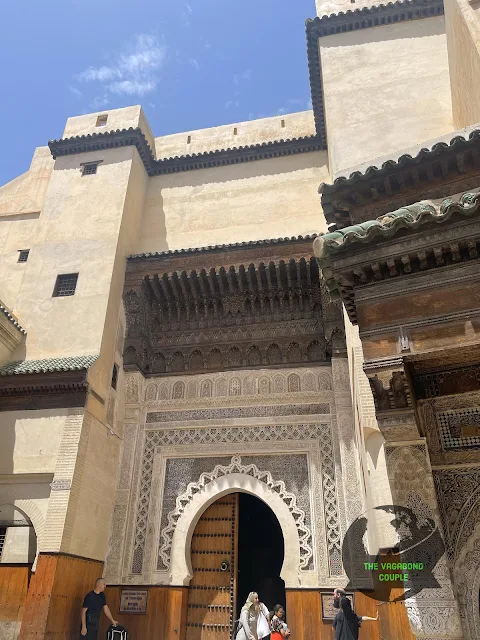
x=13, y=592
x=165, y=617
x=304, y=617
x=211, y=595
x=55, y=596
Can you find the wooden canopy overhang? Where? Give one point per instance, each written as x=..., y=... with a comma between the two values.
x=230, y=306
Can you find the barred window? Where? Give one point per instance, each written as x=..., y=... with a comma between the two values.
x=23, y=255
x=3, y=535
x=114, y=376
x=65, y=285
x=90, y=168
x=102, y=120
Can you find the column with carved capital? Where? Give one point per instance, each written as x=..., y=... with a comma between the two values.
x=433, y=612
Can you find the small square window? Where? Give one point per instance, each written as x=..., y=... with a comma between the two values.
x=102, y=120
x=3, y=535
x=90, y=168
x=23, y=255
x=114, y=376
x=65, y=285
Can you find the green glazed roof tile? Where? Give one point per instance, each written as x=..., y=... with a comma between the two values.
x=12, y=318
x=50, y=365
x=388, y=225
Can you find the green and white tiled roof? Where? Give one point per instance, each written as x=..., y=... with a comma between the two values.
x=12, y=318
x=49, y=365
x=387, y=226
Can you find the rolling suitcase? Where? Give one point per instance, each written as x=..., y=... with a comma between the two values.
x=117, y=633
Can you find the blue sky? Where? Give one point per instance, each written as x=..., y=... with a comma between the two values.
x=191, y=64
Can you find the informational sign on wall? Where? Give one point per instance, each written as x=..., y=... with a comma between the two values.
x=133, y=601
x=328, y=610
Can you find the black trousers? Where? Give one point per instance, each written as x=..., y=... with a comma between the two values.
x=92, y=630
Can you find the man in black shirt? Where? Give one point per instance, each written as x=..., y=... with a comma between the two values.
x=93, y=604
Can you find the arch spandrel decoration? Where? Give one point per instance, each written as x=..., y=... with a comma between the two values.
x=175, y=539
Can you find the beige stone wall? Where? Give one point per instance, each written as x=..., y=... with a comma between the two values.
x=26, y=193
x=125, y=118
x=329, y=7
x=20, y=545
x=77, y=232
x=463, y=37
x=386, y=88
x=295, y=125
x=88, y=519
x=251, y=201
x=30, y=440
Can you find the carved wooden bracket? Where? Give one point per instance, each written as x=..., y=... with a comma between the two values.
x=389, y=384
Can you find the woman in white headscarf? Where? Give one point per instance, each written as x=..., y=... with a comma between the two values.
x=251, y=619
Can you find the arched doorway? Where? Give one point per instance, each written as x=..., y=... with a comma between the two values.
x=261, y=551
x=237, y=546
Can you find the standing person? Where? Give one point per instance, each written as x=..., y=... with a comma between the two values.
x=277, y=625
x=252, y=618
x=93, y=604
x=346, y=622
x=338, y=594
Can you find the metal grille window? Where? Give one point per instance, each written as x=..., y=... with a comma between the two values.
x=65, y=285
x=23, y=255
x=3, y=535
x=114, y=376
x=90, y=169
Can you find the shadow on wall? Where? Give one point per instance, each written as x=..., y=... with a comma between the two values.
x=373, y=445
x=400, y=31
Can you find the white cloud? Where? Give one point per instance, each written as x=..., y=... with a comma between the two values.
x=194, y=63
x=245, y=75
x=133, y=71
x=99, y=102
x=188, y=8
x=76, y=92
x=229, y=104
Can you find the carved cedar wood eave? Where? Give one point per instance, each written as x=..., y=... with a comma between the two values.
x=436, y=250
x=64, y=389
x=432, y=175
x=261, y=304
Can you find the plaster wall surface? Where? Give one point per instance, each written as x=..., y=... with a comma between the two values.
x=77, y=233
x=385, y=88
x=20, y=545
x=30, y=440
x=125, y=238
x=463, y=38
x=92, y=499
x=26, y=194
x=296, y=125
x=328, y=7
x=252, y=201
x=124, y=118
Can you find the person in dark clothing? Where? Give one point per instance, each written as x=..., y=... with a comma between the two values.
x=346, y=622
x=93, y=604
x=338, y=594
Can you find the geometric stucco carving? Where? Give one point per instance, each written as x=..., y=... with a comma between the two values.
x=236, y=466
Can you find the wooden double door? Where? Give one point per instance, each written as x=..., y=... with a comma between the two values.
x=213, y=588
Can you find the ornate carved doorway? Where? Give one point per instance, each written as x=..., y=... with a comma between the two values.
x=237, y=547
x=212, y=592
